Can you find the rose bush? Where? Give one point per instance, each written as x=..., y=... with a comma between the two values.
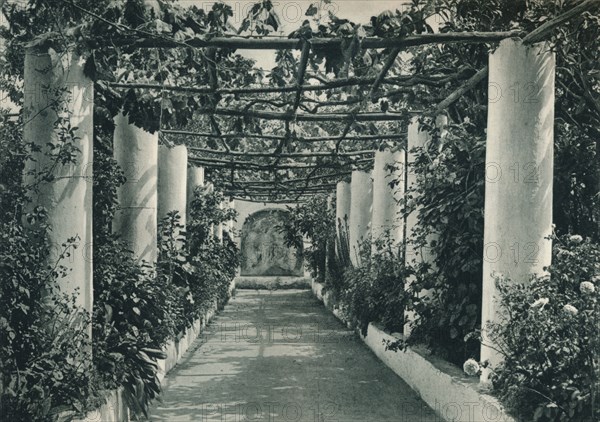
x=549, y=338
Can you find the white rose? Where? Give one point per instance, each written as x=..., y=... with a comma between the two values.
x=587, y=287
x=576, y=238
x=570, y=309
x=471, y=367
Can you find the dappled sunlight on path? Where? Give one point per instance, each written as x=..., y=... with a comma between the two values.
x=281, y=356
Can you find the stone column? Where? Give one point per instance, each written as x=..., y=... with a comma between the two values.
x=136, y=152
x=359, y=225
x=56, y=87
x=195, y=178
x=172, y=181
x=386, y=199
x=519, y=170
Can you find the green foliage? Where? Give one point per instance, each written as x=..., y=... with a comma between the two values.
x=551, y=350
x=131, y=321
x=339, y=258
x=204, y=213
x=314, y=220
x=374, y=290
x=46, y=368
x=448, y=197
x=44, y=347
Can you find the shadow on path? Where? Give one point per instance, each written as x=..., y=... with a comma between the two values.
x=280, y=356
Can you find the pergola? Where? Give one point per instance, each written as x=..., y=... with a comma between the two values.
x=520, y=214
x=256, y=175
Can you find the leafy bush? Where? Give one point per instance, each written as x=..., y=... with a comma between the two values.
x=131, y=323
x=448, y=197
x=314, y=220
x=44, y=348
x=549, y=338
x=205, y=212
x=374, y=290
x=339, y=259
x=46, y=370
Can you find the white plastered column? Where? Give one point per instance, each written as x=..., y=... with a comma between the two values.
x=172, y=181
x=135, y=221
x=359, y=224
x=519, y=171
x=388, y=167
x=195, y=178
x=68, y=196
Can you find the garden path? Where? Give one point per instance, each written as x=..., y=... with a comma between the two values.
x=273, y=356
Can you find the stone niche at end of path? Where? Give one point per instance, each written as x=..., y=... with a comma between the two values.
x=263, y=248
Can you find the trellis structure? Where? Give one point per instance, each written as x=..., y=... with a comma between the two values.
x=518, y=214
x=213, y=159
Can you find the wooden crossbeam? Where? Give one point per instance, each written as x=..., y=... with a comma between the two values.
x=277, y=186
x=306, y=117
x=297, y=180
x=399, y=136
x=267, y=200
x=224, y=136
x=281, y=155
x=391, y=59
x=236, y=42
x=284, y=189
x=403, y=80
x=213, y=162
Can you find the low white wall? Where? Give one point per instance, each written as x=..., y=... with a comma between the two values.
x=451, y=394
x=115, y=408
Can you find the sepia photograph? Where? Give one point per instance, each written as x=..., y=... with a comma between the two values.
x=300, y=210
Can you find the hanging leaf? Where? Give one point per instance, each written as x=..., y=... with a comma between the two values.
x=312, y=10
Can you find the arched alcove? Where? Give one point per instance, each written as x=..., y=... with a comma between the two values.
x=263, y=248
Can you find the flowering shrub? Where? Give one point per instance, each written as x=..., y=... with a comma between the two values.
x=549, y=338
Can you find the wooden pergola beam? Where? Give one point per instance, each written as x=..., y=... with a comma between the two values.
x=391, y=59
x=399, y=136
x=336, y=176
x=281, y=155
x=268, y=200
x=284, y=189
x=236, y=42
x=402, y=80
x=212, y=162
x=307, y=117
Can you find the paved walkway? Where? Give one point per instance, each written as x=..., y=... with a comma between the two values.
x=280, y=356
